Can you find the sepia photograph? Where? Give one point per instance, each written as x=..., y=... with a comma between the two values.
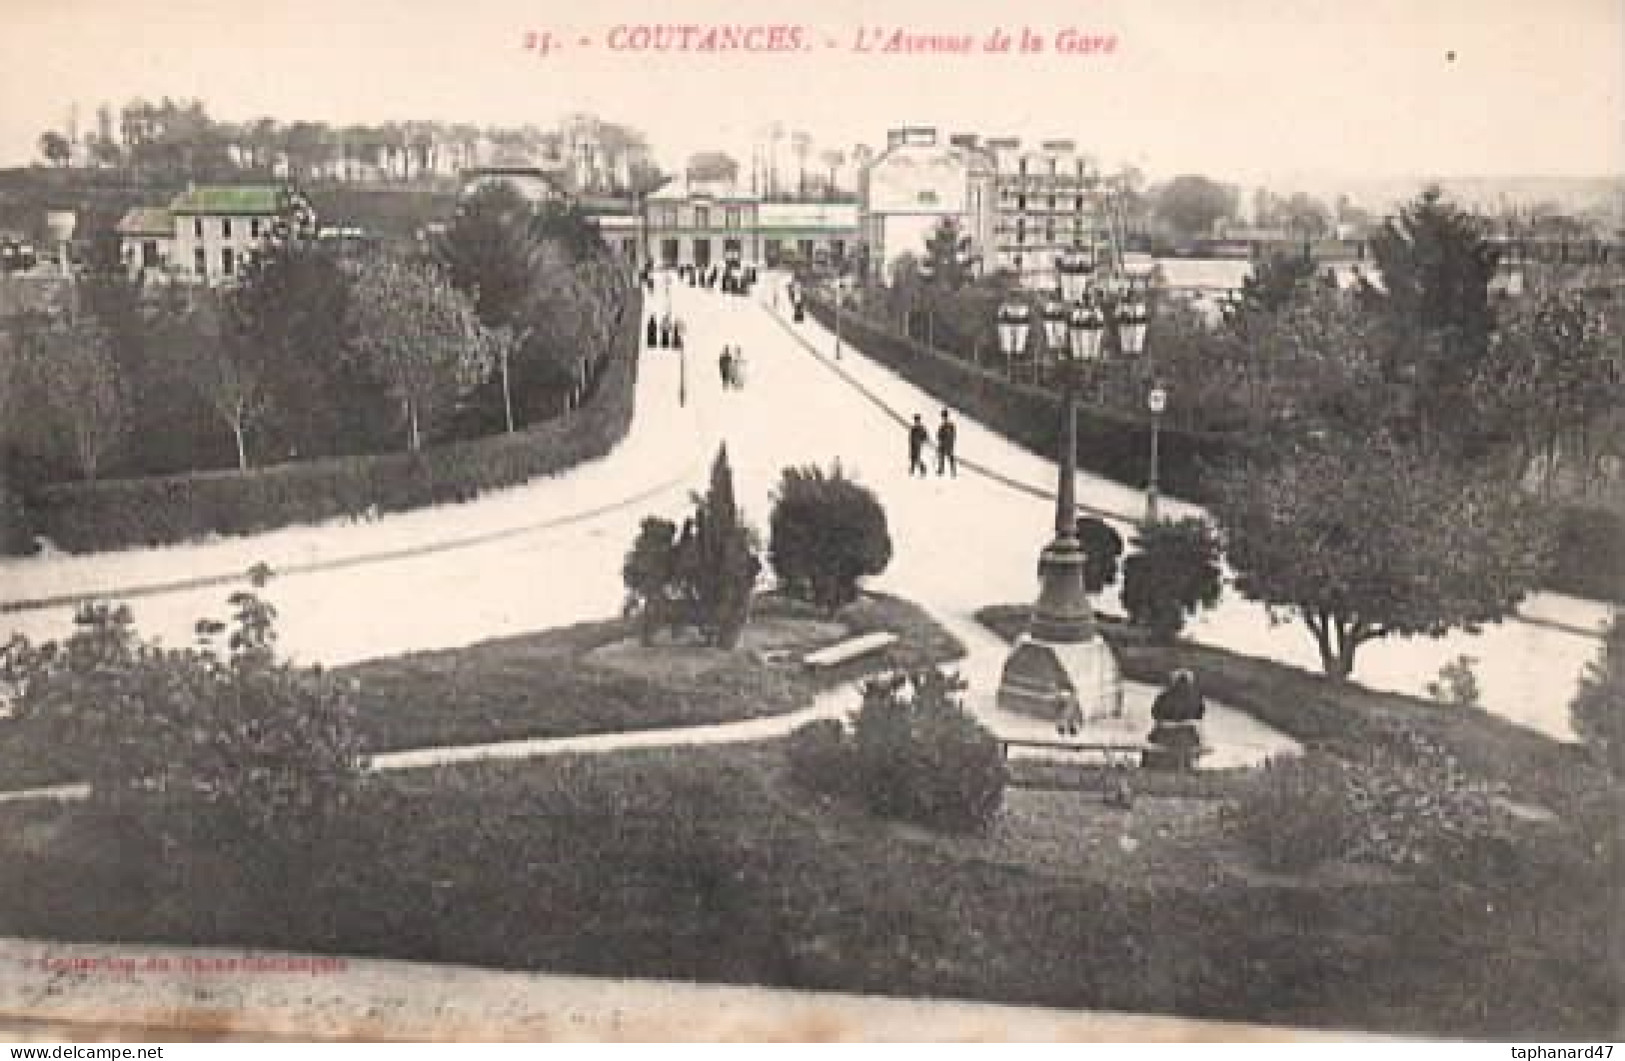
x=812, y=521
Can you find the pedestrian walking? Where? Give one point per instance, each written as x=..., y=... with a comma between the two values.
x=654, y=331
x=725, y=364
x=677, y=336
x=665, y=331
x=918, y=436
x=947, y=436
x=739, y=368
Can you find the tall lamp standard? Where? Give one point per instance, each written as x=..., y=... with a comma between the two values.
x=1061, y=669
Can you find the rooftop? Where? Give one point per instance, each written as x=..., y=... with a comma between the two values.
x=147, y=221
x=682, y=188
x=232, y=199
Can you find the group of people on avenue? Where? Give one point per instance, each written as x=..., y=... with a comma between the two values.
x=732, y=366
x=731, y=279
x=665, y=332
x=919, y=436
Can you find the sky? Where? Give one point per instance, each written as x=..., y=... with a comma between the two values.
x=1252, y=91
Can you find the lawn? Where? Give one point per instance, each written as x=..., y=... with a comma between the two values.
x=710, y=864
x=588, y=678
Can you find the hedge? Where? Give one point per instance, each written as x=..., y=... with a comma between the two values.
x=124, y=513
x=1109, y=443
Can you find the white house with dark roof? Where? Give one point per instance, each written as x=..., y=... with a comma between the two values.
x=218, y=228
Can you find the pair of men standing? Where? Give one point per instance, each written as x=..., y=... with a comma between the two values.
x=919, y=437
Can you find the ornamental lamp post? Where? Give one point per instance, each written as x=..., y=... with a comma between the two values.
x=1061, y=670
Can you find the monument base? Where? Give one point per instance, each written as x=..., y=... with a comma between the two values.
x=1077, y=681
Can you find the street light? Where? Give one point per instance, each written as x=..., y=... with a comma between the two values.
x=1014, y=320
x=1056, y=318
x=1062, y=669
x=1156, y=401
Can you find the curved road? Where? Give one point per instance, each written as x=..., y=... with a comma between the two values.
x=549, y=553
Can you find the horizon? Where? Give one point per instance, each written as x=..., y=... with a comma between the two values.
x=1243, y=92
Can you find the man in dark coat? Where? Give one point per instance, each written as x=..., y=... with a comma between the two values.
x=725, y=364
x=918, y=436
x=654, y=331
x=947, y=436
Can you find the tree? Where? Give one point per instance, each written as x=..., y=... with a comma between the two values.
x=712, y=166
x=1102, y=546
x=650, y=575
x=726, y=562
x=1175, y=572
x=1598, y=709
x=1190, y=204
x=1277, y=281
x=292, y=309
x=214, y=358
x=422, y=335
x=1436, y=267
x=54, y=148
x=827, y=533
x=1555, y=369
x=84, y=392
x=1364, y=539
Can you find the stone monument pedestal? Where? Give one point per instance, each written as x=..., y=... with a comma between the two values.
x=1049, y=679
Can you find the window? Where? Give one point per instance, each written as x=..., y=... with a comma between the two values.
x=226, y=261
x=197, y=227
x=1021, y=203
x=702, y=217
x=225, y=230
x=200, y=260
x=1021, y=166
x=804, y=247
x=254, y=228
x=730, y=217
x=927, y=196
x=149, y=254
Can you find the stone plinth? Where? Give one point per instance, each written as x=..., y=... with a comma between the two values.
x=1042, y=679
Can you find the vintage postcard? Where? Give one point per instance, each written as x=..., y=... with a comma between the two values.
x=812, y=521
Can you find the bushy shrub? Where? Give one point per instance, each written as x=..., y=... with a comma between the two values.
x=701, y=578
x=1598, y=709
x=1406, y=803
x=1418, y=807
x=1102, y=548
x=820, y=754
x=827, y=532
x=920, y=756
x=1457, y=684
x=1175, y=572
x=1296, y=814
x=199, y=742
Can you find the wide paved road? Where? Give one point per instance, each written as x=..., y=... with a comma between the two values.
x=550, y=553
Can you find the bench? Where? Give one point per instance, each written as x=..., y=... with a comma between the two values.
x=1116, y=753
x=850, y=649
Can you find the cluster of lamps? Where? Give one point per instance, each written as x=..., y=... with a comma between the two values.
x=1074, y=330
